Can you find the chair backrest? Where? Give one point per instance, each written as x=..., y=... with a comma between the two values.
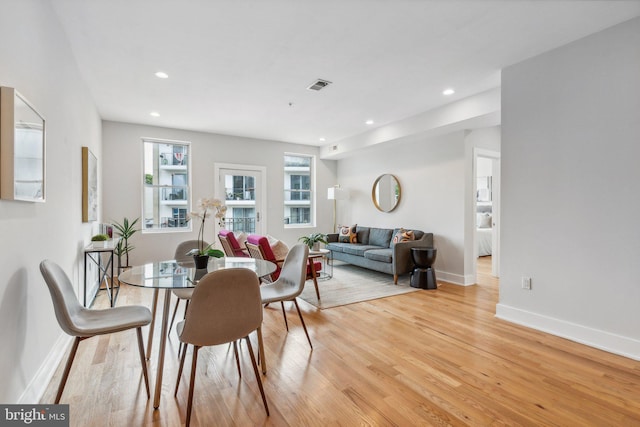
x=230, y=244
x=294, y=270
x=184, y=247
x=65, y=302
x=225, y=306
x=259, y=248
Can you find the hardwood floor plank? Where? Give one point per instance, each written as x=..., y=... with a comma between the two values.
x=430, y=358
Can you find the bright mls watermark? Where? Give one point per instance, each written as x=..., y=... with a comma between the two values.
x=34, y=415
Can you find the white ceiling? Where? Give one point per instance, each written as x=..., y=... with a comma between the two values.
x=242, y=67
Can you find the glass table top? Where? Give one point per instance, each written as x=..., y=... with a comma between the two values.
x=173, y=275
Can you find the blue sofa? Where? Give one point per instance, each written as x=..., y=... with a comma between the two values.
x=375, y=250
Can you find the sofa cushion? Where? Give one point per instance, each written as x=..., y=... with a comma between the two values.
x=380, y=237
x=358, y=249
x=383, y=255
x=338, y=247
x=363, y=235
x=347, y=234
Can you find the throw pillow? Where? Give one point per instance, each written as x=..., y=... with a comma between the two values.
x=484, y=221
x=404, y=236
x=280, y=249
x=348, y=234
x=241, y=238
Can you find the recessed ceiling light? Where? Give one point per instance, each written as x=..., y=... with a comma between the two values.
x=448, y=92
x=162, y=75
x=369, y=122
x=154, y=114
x=322, y=140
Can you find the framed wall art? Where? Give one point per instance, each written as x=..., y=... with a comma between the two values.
x=89, y=186
x=22, y=148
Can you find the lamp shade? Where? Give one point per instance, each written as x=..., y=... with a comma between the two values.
x=337, y=193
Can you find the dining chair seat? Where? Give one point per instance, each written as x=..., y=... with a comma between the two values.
x=225, y=307
x=83, y=323
x=89, y=323
x=185, y=293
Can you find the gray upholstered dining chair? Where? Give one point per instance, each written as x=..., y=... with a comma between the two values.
x=181, y=257
x=83, y=323
x=289, y=284
x=225, y=307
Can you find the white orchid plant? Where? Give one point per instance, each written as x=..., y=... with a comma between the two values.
x=206, y=207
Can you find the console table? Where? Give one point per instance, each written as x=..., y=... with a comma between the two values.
x=101, y=254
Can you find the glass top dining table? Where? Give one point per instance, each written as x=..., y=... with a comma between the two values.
x=176, y=275
x=171, y=275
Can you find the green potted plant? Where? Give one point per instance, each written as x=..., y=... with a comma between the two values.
x=99, y=240
x=313, y=240
x=125, y=230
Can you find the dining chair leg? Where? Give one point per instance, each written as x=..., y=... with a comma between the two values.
x=261, y=359
x=302, y=321
x=255, y=371
x=182, y=356
x=143, y=361
x=284, y=314
x=173, y=317
x=67, y=368
x=192, y=383
x=235, y=351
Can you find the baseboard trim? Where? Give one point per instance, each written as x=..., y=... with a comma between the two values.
x=456, y=279
x=36, y=388
x=612, y=343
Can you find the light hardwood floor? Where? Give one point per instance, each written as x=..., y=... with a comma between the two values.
x=426, y=358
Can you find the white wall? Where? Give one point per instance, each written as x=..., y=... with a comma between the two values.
x=123, y=175
x=571, y=190
x=36, y=60
x=431, y=176
x=437, y=184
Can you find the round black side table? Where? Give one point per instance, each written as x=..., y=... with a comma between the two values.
x=423, y=276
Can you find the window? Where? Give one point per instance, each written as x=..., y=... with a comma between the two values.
x=243, y=188
x=241, y=219
x=166, y=195
x=298, y=206
x=300, y=215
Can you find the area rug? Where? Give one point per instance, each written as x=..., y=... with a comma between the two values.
x=351, y=284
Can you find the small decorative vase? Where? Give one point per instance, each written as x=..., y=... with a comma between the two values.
x=201, y=261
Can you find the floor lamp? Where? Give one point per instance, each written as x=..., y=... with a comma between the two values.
x=336, y=193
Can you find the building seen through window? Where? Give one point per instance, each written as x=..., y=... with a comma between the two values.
x=166, y=195
x=297, y=190
x=240, y=198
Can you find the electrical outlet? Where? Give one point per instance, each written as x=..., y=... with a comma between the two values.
x=526, y=283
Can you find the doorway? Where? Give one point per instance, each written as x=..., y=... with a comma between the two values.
x=242, y=189
x=486, y=201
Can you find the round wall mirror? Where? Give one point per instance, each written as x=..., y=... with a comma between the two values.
x=386, y=192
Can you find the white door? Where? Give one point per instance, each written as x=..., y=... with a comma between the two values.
x=242, y=189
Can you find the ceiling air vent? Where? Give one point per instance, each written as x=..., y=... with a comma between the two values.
x=319, y=84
